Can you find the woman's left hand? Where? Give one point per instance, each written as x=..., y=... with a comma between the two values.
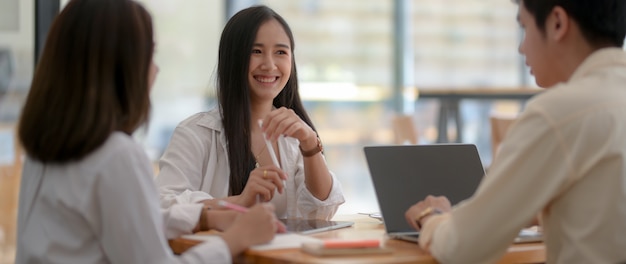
x=284, y=121
x=221, y=219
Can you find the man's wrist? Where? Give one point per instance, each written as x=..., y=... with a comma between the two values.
x=425, y=214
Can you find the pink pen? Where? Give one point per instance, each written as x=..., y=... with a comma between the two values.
x=232, y=206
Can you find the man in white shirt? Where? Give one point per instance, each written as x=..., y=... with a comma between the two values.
x=565, y=157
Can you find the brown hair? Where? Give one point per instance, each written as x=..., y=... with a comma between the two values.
x=92, y=80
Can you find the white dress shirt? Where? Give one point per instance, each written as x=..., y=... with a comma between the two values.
x=564, y=158
x=102, y=209
x=195, y=167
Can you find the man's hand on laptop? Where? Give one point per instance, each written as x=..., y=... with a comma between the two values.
x=420, y=212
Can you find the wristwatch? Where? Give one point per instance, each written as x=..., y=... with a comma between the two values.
x=315, y=150
x=427, y=212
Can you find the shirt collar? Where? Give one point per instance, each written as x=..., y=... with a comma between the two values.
x=599, y=59
x=212, y=120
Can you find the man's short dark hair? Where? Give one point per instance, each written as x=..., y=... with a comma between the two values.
x=602, y=22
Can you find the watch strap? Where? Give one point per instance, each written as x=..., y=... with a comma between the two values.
x=310, y=152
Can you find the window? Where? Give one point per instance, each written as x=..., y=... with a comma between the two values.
x=345, y=58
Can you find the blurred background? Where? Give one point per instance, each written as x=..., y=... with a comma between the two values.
x=362, y=64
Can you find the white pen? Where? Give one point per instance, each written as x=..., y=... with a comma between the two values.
x=270, y=149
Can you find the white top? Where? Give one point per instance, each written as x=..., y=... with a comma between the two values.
x=195, y=167
x=102, y=209
x=565, y=158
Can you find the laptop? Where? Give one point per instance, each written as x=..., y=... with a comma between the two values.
x=405, y=174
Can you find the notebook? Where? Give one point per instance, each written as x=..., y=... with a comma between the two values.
x=405, y=174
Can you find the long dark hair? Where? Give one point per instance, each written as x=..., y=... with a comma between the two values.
x=233, y=89
x=92, y=80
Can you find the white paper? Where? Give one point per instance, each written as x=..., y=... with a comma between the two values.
x=288, y=240
x=280, y=241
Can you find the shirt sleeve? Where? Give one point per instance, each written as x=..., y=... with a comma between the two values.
x=131, y=228
x=181, y=219
x=530, y=169
x=308, y=205
x=181, y=169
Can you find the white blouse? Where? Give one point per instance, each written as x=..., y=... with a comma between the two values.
x=102, y=209
x=195, y=167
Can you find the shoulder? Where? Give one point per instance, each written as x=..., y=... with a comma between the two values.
x=581, y=98
x=121, y=172
x=204, y=120
x=123, y=164
x=117, y=143
x=119, y=148
x=198, y=131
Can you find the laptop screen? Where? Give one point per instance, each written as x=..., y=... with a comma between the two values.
x=402, y=175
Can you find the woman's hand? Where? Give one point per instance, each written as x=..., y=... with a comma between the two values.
x=262, y=182
x=221, y=219
x=284, y=121
x=257, y=226
x=439, y=203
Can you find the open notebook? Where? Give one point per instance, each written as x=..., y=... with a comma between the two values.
x=405, y=174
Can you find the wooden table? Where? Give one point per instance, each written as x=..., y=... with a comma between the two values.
x=364, y=228
x=449, y=104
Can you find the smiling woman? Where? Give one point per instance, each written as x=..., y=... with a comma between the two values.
x=270, y=62
x=345, y=65
x=212, y=155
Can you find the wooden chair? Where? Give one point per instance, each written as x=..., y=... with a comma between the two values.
x=10, y=175
x=500, y=124
x=404, y=130
x=11, y=154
